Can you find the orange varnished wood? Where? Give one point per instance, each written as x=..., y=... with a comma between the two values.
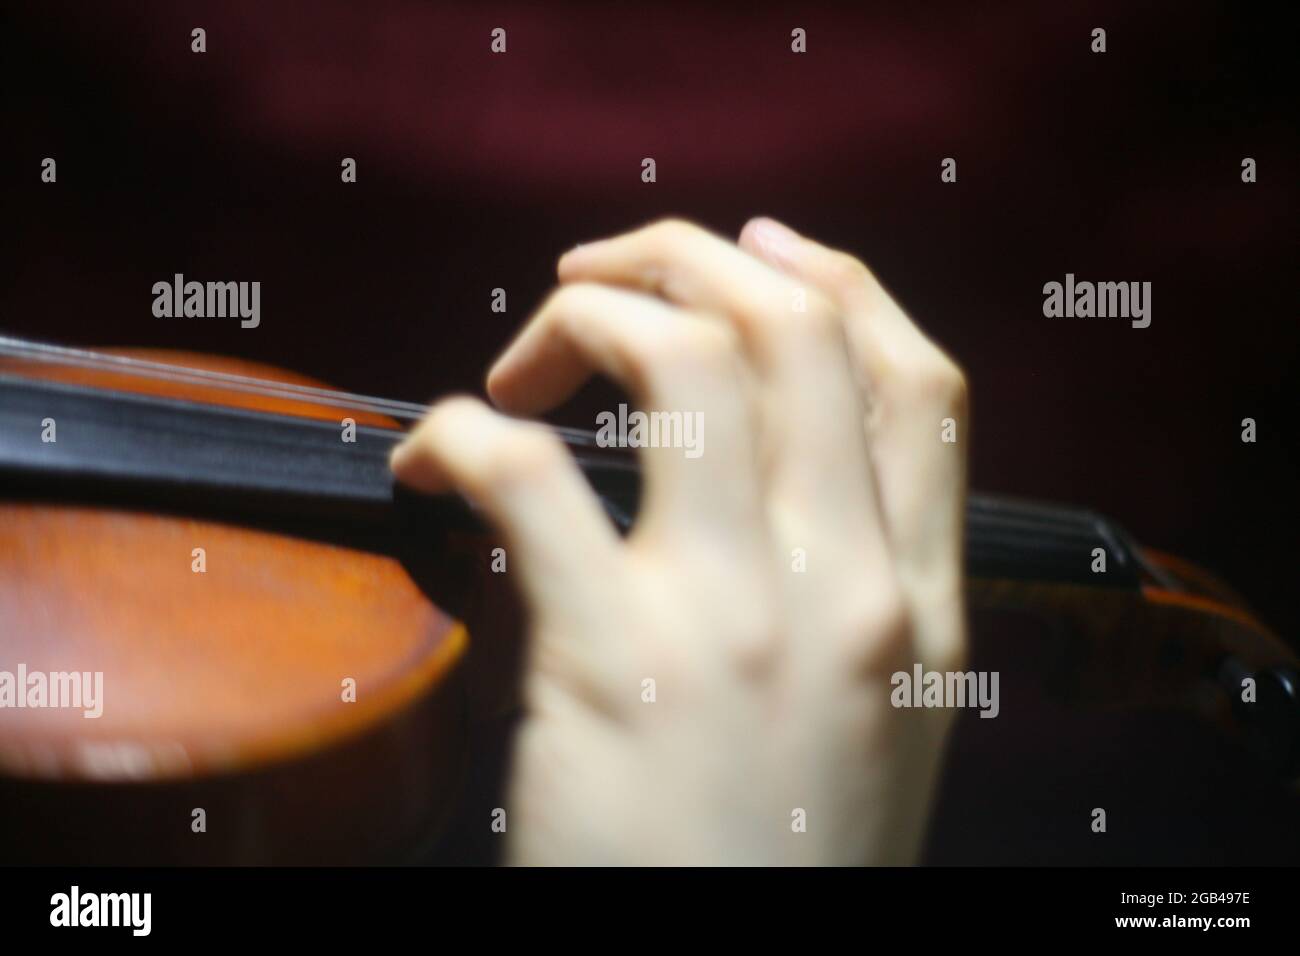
x=1195, y=578
x=203, y=672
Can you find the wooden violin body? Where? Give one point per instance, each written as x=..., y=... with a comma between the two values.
x=283, y=675
x=292, y=698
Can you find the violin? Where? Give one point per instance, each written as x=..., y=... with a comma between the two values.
x=228, y=637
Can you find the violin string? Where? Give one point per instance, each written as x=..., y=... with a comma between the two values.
x=162, y=371
x=84, y=358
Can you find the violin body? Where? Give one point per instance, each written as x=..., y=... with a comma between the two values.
x=286, y=677
x=299, y=693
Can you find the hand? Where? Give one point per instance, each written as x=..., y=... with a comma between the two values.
x=772, y=585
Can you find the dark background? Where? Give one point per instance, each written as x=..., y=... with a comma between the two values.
x=476, y=170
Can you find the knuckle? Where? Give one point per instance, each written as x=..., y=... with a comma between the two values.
x=667, y=234
x=815, y=318
x=887, y=617
x=704, y=345
x=565, y=301
x=755, y=639
x=668, y=246
x=845, y=272
x=438, y=426
x=940, y=379
x=886, y=373
x=696, y=347
x=649, y=356
x=960, y=389
x=878, y=631
x=822, y=318
x=447, y=408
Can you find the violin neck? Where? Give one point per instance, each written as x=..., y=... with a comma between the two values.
x=125, y=450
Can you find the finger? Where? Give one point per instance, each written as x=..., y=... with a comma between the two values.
x=528, y=485
x=882, y=334
x=916, y=392
x=687, y=376
x=684, y=264
x=820, y=478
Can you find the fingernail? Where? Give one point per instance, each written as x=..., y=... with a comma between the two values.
x=775, y=239
x=777, y=231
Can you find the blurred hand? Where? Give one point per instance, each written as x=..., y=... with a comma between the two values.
x=771, y=586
